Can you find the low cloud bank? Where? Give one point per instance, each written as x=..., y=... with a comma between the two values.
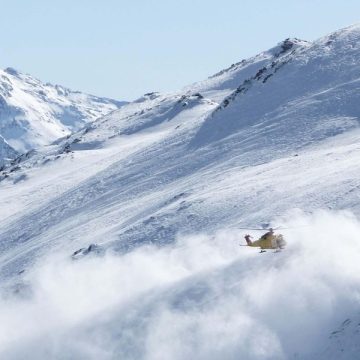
x=202, y=298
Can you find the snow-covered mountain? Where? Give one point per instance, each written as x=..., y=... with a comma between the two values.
x=34, y=114
x=123, y=238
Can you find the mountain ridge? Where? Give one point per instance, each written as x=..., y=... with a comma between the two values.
x=34, y=114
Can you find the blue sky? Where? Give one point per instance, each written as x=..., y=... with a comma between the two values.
x=122, y=49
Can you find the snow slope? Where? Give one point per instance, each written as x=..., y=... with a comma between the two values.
x=6, y=151
x=34, y=114
x=164, y=186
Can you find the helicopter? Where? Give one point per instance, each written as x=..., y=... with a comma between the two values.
x=268, y=241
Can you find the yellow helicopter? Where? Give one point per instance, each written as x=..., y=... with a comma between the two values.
x=268, y=241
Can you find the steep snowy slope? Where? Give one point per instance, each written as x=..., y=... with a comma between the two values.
x=6, y=151
x=310, y=88
x=33, y=114
x=162, y=186
x=226, y=81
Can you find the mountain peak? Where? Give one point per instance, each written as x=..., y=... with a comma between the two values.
x=34, y=114
x=11, y=71
x=348, y=34
x=289, y=44
x=354, y=28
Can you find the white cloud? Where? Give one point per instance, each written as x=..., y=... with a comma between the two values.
x=203, y=298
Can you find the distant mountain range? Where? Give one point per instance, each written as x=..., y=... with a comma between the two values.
x=34, y=114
